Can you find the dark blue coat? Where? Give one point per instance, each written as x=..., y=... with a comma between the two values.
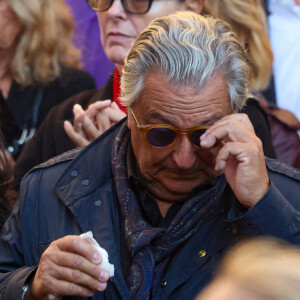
x=75, y=193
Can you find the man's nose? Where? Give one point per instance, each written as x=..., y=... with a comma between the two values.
x=184, y=153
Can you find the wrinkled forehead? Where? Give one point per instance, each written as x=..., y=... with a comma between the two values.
x=185, y=105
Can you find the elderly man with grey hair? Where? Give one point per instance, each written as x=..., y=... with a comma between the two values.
x=165, y=191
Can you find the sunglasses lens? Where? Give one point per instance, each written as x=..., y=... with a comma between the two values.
x=195, y=136
x=99, y=5
x=160, y=137
x=137, y=6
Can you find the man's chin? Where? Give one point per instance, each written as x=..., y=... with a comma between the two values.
x=180, y=189
x=170, y=188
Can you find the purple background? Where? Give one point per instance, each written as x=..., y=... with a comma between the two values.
x=87, y=39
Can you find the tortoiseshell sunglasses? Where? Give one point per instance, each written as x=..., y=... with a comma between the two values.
x=165, y=135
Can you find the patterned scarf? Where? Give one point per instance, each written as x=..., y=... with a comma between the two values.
x=152, y=248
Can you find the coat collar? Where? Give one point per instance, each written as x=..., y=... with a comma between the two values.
x=89, y=169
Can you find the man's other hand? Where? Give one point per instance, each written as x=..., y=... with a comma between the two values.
x=69, y=267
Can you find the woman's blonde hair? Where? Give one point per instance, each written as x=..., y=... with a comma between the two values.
x=267, y=266
x=45, y=45
x=248, y=21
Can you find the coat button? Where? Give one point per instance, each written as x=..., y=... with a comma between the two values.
x=85, y=182
x=11, y=149
x=163, y=283
x=98, y=203
x=74, y=173
x=201, y=253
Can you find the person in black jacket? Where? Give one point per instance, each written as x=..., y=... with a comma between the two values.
x=39, y=66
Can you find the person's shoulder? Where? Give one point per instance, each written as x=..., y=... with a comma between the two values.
x=98, y=146
x=284, y=179
x=71, y=75
x=255, y=112
x=64, y=110
x=59, y=159
x=252, y=107
x=69, y=83
x=260, y=122
x=44, y=176
x=55, y=165
x=278, y=168
x=69, y=164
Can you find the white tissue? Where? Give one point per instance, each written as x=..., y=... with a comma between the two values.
x=105, y=264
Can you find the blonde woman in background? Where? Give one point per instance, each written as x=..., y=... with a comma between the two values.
x=259, y=269
x=248, y=20
x=39, y=66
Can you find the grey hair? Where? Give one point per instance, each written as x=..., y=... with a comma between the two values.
x=187, y=49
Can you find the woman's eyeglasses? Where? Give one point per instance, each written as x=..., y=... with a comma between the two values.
x=131, y=6
x=164, y=135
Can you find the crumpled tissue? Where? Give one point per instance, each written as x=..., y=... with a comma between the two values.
x=105, y=264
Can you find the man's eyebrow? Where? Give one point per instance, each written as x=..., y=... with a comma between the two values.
x=212, y=120
x=155, y=115
x=209, y=121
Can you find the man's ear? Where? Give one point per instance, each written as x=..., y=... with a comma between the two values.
x=195, y=6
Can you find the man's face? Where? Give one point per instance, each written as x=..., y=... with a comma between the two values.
x=173, y=172
x=119, y=29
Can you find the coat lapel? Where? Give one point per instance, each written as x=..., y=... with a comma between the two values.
x=86, y=188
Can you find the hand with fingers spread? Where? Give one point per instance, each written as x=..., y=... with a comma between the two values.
x=69, y=267
x=240, y=156
x=89, y=124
